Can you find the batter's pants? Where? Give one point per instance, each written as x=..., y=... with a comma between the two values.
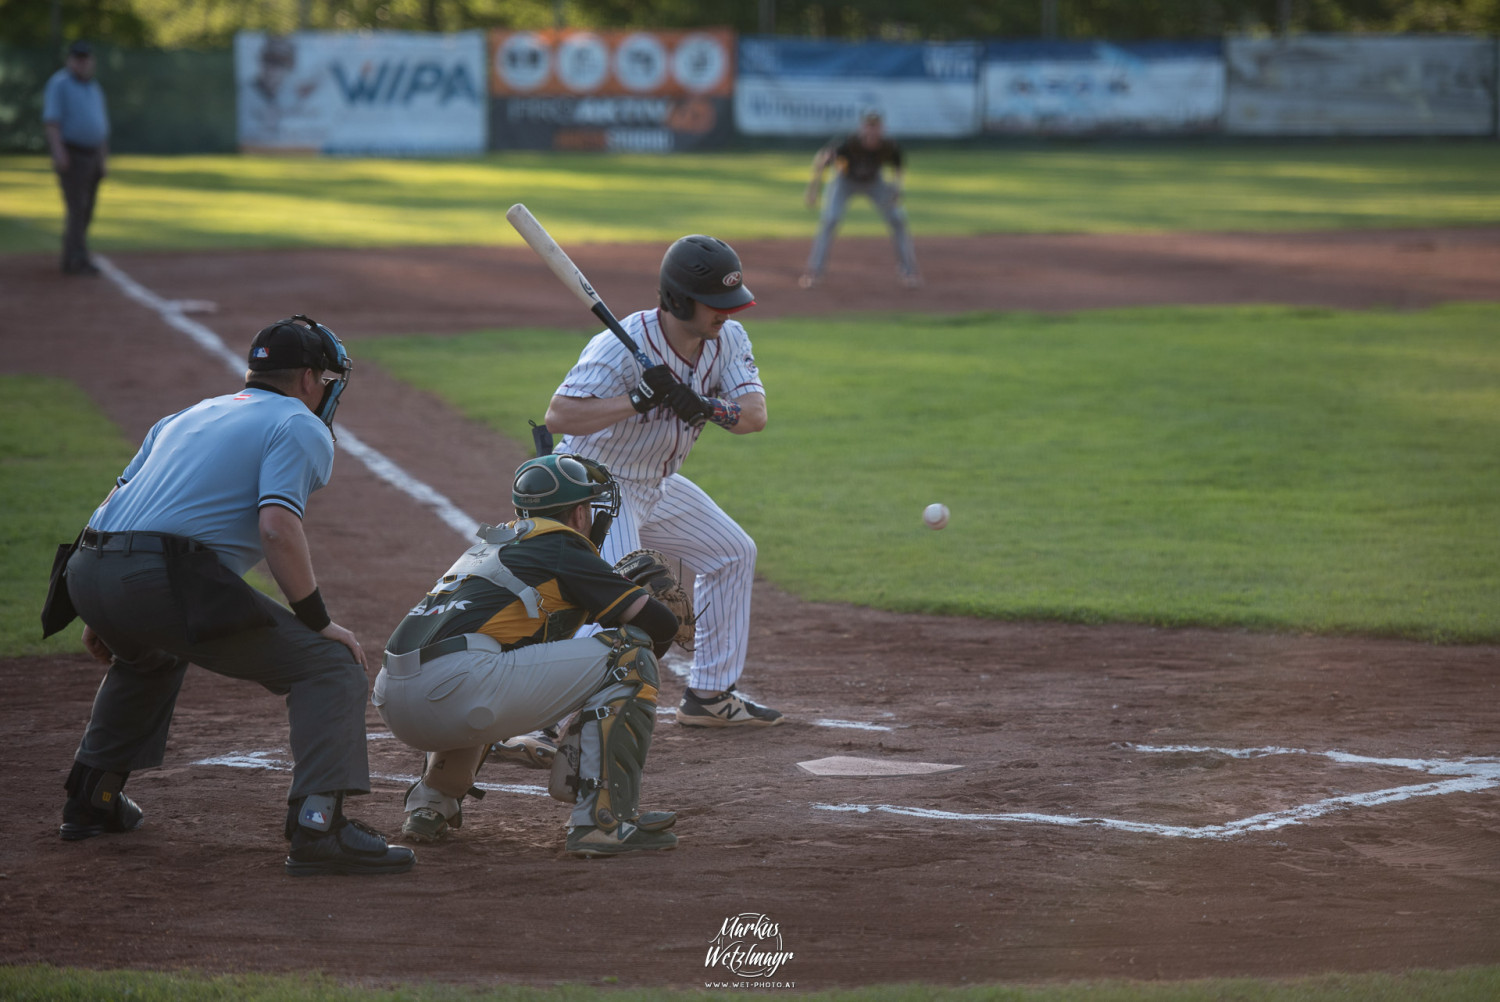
x=886, y=199
x=677, y=517
x=125, y=597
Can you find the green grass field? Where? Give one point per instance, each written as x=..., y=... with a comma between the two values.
x=1274, y=468
x=59, y=457
x=35, y=984
x=173, y=203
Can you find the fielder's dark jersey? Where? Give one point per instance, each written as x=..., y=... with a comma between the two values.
x=862, y=163
x=575, y=584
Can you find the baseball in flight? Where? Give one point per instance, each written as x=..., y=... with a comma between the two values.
x=935, y=515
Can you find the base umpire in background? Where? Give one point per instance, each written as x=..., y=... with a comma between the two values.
x=156, y=577
x=77, y=125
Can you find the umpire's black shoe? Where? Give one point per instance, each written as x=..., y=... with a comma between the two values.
x=96, y=805
x=82, y=820
x=347, y=847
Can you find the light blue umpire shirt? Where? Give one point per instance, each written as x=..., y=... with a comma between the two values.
x=77, y=108
x=206, y=472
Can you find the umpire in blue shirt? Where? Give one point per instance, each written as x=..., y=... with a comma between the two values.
x=77, y=126
x=157, y=581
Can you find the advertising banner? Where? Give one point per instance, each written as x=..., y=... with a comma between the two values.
x=799, y=87
x=1330, y=85
x=389, y=92
x=1093, y=87
x=621, y=91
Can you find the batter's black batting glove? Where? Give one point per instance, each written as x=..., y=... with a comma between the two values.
x=688, y=406
x=656, y=382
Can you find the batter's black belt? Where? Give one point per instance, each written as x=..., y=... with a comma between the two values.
x=80, y=149
x=137, y=542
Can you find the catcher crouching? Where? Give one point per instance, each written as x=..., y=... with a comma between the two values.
x=490, y=652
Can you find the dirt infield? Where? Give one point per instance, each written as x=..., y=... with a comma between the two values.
x=1133, y=802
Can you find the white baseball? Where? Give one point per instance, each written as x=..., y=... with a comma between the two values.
x=935, y=515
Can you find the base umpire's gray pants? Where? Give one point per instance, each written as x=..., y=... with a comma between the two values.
x=80, y=191
x=886, y=198
x=127, y=601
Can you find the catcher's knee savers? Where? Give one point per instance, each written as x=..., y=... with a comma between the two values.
x=603, y=750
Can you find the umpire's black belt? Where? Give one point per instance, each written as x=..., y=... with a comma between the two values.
x=136, y=542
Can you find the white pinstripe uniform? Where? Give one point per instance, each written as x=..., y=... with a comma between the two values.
x=660, y=508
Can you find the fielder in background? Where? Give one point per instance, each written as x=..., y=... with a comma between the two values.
x=77, y=126
x=860, y=158
x=156, y=577
x=642, y=424
x=490, y=652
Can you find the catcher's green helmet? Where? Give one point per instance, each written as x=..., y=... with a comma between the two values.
x=550, y=485
x=706, y=269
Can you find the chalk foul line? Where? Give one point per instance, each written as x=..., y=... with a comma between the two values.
x=271, y=760
x=1471, y=775
x=172, y=313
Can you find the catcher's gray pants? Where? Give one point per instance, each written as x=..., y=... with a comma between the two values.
x=127, y=601
x=887, y=200
x=80, y=191
x=458, y=704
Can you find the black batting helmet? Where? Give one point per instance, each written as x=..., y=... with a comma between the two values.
x=706, y=269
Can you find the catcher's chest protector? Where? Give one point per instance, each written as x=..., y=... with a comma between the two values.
x=482, y=560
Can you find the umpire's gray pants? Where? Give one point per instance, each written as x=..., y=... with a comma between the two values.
x=886, y=198
x=127, y=601
x=80, y=191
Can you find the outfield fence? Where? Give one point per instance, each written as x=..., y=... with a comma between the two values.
x=640, y=91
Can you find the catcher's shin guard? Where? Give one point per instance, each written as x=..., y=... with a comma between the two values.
x=601, y=755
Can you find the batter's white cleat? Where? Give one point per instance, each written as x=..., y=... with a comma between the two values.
x=808, y=280
x=726, y=709
x=535, y=751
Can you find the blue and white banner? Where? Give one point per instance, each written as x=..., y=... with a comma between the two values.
x=383, y=93
x=1095, y=87
x=798, y=87
x=1345, y=85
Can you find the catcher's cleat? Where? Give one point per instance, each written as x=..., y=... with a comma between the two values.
x=535, y=751
x=425, y=825
x=727, y=709
x=589, y=841
x=348, y=847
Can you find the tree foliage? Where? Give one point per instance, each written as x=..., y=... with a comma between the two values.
x=188, y=23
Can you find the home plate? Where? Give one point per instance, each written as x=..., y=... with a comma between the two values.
x=849, y=765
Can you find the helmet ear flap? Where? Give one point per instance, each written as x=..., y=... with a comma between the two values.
x=680, y=307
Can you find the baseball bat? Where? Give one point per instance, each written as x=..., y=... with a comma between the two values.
x=568, y=273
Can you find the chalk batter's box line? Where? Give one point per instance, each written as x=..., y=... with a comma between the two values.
x=1471, y=775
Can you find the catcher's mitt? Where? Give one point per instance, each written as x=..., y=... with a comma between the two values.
x=648, y=568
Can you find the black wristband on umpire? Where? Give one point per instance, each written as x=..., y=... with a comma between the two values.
x=312, y=612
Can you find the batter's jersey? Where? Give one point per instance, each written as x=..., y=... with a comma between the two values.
x=575, y=584
x=206, y=472
x=651, y=447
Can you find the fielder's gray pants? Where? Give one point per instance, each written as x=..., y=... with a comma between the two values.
x=80, y=191
x=886, y=199
x=127, y=601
